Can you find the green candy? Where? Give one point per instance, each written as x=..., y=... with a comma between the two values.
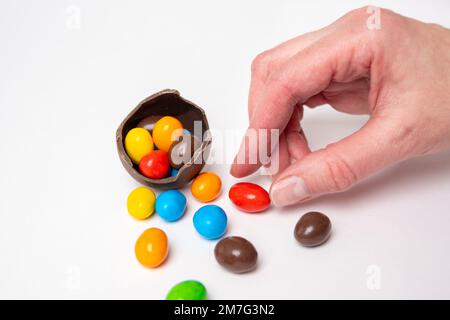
x=187, y=290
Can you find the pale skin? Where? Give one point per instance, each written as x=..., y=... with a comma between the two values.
x=399, y=75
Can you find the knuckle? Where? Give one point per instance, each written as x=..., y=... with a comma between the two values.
x=260, y=63
x=339, y=174
x=284, y=88
x=359, y=12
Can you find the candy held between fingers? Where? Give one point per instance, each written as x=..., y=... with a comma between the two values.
x=206, y=187
x=138, y=143
x=141, y=203
x=152, y=248
x=236, y=254
x=210, y=221
x=187, y=290
x=249, y=197
x=171, y=205
x=313, y=229
x=166, y=131
x=155, y=165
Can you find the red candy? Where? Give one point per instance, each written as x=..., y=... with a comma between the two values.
x=155, y=165
x=249, y=197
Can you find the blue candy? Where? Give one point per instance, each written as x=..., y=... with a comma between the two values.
x=210, y=221
x=173, y=172
x=170, y=205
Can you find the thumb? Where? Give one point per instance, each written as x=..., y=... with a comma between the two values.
x=340, y=165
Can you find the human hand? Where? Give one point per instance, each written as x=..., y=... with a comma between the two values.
x=399, y=75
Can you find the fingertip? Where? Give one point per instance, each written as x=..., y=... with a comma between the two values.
x=243, y=170
x=235, y=172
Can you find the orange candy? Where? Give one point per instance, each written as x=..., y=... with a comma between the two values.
x=152, y=247
x=166, y=131
x=206, y=187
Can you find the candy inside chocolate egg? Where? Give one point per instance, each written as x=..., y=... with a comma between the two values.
x=166, y=103
x=148, y=122
x=182, y=150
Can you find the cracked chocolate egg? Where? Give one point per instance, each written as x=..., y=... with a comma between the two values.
x=167, y=103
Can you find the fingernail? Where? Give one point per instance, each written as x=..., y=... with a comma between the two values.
x=289, y=191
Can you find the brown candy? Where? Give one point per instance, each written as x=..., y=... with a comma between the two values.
x=312, y=229
x=148, y=122
x=182, y=150
x=236, y=254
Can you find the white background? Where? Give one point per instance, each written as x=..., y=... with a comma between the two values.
x=64, y=228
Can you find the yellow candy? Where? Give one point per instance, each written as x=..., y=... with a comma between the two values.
x=138, y=143
x=166, y=131
x=141, y=203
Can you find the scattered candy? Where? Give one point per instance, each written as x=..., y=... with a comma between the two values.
x=236, y=254
x=249, y=197
x=160, y=146
x=155, y=165
x=171, y=205
x=166, y=131
x=312, y=229
x=148, y=122
x=141, y=203
x=187, y=290
x=206, y=187
x=138, y=143
x=182, y=150
x=152, y=248
x=210, y=221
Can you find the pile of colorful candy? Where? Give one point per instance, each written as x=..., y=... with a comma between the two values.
x=175, y=148
x=159, y=146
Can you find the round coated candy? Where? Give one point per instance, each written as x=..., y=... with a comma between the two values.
x=152, y=247
x=187, y=290
x=182, y=150
x=166, y=131
x=236, y=254
x=249, y=197
x=138, y=143
x=312, y=229
x=206, y=187
x=155, y=165
x=173, y=172
x=141, y=203
x=171, y=205
x=210, y=221
x=148, y=122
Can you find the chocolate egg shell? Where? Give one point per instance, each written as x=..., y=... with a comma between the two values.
x=236, y=254
x=182, y=150
x=313, y=229
x=167, y=103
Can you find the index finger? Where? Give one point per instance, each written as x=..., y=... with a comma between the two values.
x=302, y=76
